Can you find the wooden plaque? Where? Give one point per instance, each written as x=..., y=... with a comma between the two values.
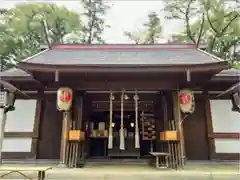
x=76, y=135
x=169, y=136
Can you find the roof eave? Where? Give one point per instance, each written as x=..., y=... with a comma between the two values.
x=225, y=78
x=231, y=75
x=18, y=78
x=216, y=67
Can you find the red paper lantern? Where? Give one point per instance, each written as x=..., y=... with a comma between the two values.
x=64, y=99
x=186, y=101
x=184, y=98
x=65, y=96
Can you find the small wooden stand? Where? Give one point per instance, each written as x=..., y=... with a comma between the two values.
x=158, y=163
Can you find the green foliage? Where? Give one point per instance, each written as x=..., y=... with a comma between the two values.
x=216, y=24
x=150, y=33
x=153, y=28
x=94, y=12
x=34, y=18
x=14, y=49
x=26, y=26
x=236, y=65
x=182, y=9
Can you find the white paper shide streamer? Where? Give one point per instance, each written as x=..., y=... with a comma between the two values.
x=110, y=132
x=122, y=143
x=137, y=144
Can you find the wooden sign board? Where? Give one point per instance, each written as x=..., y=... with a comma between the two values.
x=76, y=135
x=169, y=136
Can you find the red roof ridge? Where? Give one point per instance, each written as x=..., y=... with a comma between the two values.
x=123, y=46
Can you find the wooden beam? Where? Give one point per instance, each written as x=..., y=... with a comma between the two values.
x=20, y=134
x=128, y=85
x=31, y=74
x=224, y=136
x=232, y=89
x=105, y=107
x=105, y=98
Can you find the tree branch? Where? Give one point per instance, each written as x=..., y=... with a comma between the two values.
x=201, y=29
x=3, y=11
x=211, y=24
x=228, y=24
x=219, y=34
x=44, y=24
x=188, y=29
x=92, y=15
x=60, y=29
x=231, y=44
x=212, y=43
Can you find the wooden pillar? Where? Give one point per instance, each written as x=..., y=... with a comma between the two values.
x=209, y=124
x=78, y=110
x=65, y=128
x=3, y=117
x=165, y=111
x=165, y=145
x=158, y=111
x=87, y=108
x=81, y=126
x=80, y=121
x=37, y=120
x=178, y=119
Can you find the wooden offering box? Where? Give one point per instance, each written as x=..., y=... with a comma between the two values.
x=97, y=133
x=169, y=135
x=101, y=132
x=76, y=135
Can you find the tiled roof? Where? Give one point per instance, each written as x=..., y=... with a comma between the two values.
x=118, y=54
x=123, y=54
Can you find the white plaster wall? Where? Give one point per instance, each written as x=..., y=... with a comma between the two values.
x=225, y=121
x=17, y=145
x=227, y=145
x=223, y=118
x=22, y=119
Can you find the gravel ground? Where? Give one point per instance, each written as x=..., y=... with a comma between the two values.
x=122, y=172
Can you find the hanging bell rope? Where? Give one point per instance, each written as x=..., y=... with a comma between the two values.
x=136, y=98
x=110, y=133
x=122, y=144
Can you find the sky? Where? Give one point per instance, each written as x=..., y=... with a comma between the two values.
x=124, y=15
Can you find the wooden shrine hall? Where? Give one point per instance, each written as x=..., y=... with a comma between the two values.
x=119, y=101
